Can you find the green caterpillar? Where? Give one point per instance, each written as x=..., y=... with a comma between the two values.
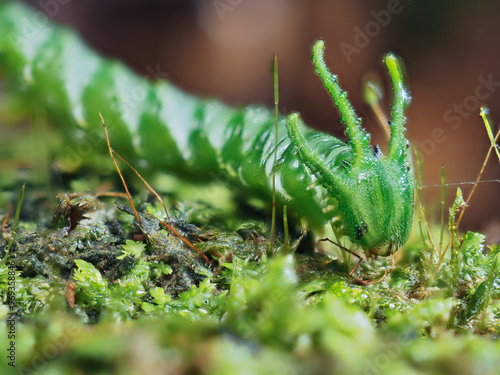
x=359, y=192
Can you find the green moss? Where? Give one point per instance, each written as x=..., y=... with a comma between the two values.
x=159, y=304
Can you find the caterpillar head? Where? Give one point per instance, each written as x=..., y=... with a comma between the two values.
x=375, y=192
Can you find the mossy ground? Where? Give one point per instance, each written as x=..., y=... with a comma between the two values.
x=97, y=293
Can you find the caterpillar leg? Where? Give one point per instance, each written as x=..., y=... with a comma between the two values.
x=356, y=266
x=360, y=259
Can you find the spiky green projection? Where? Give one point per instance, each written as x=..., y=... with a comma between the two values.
x=367, y=196
x=374, y=192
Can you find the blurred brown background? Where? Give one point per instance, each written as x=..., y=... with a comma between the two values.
x=223, y=48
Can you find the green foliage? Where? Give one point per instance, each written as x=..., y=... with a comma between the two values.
x=436, y=312
x=132, y=248
x=262, y=316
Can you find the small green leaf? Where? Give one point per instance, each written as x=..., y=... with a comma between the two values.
x=93, y=287
x=148, y=307
x=472, y=247
x=132, y=248
x=459, y=202
x=159, y=296
x=477, y=301
x=159, y=268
